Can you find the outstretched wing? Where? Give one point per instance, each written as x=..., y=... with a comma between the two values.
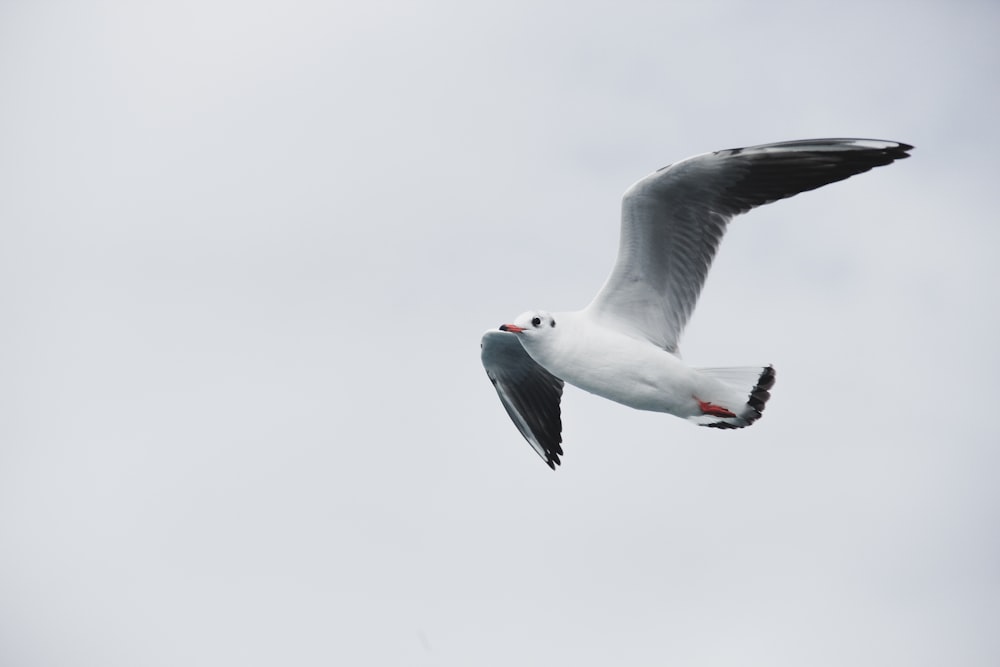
x=673, y=220
x=529, y=393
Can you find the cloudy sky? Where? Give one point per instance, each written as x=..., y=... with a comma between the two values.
x=247, y=252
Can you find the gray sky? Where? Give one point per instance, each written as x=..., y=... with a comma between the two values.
x=247, y=252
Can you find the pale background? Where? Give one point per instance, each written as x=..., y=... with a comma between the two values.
x=247, y=250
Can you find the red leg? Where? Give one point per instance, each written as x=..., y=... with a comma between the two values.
x=713, y=409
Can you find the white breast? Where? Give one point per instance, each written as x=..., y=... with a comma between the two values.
x=614, y=365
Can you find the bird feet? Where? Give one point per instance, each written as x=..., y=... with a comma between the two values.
x=713, y=409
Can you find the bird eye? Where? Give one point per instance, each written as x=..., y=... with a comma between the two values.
x=535, y=321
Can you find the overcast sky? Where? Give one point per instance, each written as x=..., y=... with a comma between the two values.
x=247, y=250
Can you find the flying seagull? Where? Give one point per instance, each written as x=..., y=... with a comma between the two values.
x=623, y=346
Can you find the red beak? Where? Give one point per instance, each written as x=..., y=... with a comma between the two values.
x=513, y=328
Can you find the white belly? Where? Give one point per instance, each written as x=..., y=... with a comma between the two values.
x=623, y=369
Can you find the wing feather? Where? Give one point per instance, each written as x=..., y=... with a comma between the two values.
x=674, y=219
x=529, y=393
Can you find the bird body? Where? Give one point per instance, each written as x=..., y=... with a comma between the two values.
x=616, y=366
x=624, y=345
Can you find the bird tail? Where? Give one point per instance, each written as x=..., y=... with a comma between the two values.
x=734, y=397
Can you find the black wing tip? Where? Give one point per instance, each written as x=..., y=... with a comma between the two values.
x=552, y=455
x=897, y=145
x=886, y=154
x=778, y=171
x=759, y=397
x=903, y=149
x=897, y=150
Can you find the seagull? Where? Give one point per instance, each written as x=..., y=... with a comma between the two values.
x=624, y=345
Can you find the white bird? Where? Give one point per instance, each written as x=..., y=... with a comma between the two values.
x=623, y=345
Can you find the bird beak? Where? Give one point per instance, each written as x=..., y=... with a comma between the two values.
x=513, y=328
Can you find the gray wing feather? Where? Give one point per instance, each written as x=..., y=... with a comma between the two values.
x=674, y=219
x=529, y=393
